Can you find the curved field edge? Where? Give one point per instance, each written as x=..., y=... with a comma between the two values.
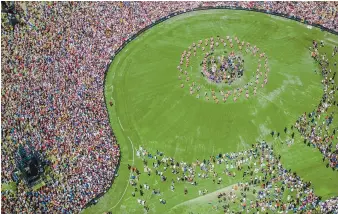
x=123, y=129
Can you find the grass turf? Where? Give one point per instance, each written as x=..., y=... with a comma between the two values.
x=150, y=109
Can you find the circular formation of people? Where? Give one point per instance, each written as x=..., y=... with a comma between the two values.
x=54, y=63
x=223, y=68
x=222, y=64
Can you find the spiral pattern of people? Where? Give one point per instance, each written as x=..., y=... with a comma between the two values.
x=215, y=69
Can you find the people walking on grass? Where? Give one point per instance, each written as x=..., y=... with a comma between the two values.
x=260, y=168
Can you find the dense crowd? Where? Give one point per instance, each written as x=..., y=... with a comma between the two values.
x=324, y=13
x=223, y=68
x=53, y=64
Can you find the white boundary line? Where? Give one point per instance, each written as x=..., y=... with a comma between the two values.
x=132, y=146
x=122, y=195
x=120, y=123
x=125, y=190
x=204, y=197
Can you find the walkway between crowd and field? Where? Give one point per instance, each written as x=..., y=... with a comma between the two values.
x=125, y=190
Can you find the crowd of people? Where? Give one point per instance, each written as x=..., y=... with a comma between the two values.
x=263, y=184
x=324, y=14
x=223, y=69
x=53, y=65
x=317, y=126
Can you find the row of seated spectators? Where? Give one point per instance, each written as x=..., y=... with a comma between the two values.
x=53, y=66
x=323, y=13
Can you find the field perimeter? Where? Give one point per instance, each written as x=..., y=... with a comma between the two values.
x=151, y=110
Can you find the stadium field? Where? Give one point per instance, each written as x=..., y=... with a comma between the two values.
x=151, y=109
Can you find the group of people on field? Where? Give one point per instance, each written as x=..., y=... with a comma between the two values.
x=259, y=182
x=317, y=127
x=223, y=69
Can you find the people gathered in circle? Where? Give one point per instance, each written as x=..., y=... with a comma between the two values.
x=223, y=69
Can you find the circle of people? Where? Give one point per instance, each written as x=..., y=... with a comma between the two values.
x=216, y=69
x=229, y=69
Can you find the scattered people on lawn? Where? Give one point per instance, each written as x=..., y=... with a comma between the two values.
x=263, y=177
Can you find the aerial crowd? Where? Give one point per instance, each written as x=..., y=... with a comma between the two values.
x=53, y=67
x=262, y=184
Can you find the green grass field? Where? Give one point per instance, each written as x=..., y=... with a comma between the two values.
x=151, y=110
